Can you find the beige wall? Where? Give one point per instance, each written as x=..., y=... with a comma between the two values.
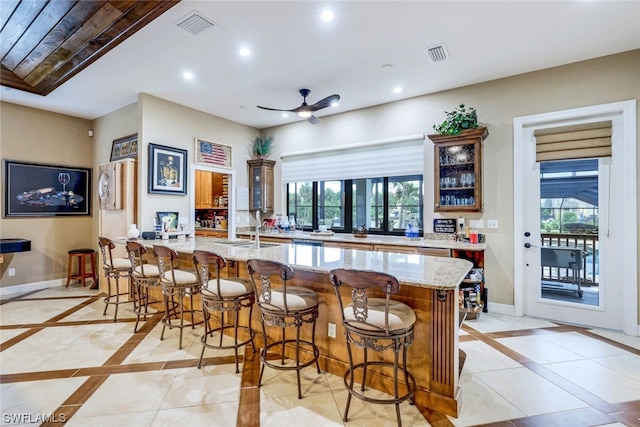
x=38, y=136
x=599, y=81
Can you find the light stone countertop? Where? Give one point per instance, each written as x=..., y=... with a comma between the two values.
x=409, y=269
x=431, y=240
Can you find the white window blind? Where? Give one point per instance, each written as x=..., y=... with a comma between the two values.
x=389, y=157
x=582, y=141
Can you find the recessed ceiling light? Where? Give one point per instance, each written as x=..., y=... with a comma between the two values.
x=187, y=75
x=245, y=52
x=327, y=15
x=334, y=104
x=285, y=115
x=397, y=89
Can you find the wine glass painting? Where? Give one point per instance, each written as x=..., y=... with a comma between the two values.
x=64, y=178
x=34, y=190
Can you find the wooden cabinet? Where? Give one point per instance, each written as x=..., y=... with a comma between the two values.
x=261, y=185
x=396, y=249
x=204, y=190
x=212, y=233
x=458, y=171
x=473, y=293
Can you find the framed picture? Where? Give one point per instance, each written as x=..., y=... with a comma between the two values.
x=37, y=190
x=167, y=170
x=168, y=221
x=212, y=153
x=125, y=148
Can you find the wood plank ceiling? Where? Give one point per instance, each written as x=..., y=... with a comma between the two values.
x=45, y=43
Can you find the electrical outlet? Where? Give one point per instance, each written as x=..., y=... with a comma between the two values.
x=492, y=223
x=12, y=272
x=332, y=330
x=476, y=224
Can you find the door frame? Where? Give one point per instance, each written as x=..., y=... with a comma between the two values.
x=231, y=219
x=625, y=151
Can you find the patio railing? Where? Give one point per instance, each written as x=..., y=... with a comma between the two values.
x=589, y=245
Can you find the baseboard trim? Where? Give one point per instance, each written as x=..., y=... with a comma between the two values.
x=30, y=287
x=497, y=308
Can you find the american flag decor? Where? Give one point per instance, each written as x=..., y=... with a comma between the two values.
x=211, y=153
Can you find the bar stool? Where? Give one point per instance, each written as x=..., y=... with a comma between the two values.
x=376, y=324
x=144, y=276
x=283, y=307
x=82, y=275
x=114, y=268
x=221, y=296
x=176, y=283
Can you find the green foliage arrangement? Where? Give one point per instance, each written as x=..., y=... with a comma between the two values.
x=262, y=146
x=458, y=120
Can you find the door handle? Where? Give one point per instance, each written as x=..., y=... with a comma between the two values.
x=529, y=245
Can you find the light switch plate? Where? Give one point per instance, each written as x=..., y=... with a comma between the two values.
x=492, y=223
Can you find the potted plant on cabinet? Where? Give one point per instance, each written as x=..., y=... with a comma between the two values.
x=262, y=146
x=458, y=120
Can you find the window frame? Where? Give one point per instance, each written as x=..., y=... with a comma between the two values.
x=347, y=204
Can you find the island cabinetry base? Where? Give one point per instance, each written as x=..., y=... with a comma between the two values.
x=432, y=358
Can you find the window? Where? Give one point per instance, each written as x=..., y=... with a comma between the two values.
x=384, y=205
x=330, y=203
x=300, y=202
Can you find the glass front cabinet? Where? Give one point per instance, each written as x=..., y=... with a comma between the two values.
x=261, y=185
x=458, y=171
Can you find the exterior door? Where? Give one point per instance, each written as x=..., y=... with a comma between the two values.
x=544, y=287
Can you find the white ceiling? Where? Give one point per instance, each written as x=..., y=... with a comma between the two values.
x=293, y=49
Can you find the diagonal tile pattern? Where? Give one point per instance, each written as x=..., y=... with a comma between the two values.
x=63, y=362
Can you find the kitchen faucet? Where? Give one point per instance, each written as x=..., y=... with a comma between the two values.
x=257, y=228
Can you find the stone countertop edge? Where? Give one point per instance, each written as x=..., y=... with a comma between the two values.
x=410, y=269
x=374, y=239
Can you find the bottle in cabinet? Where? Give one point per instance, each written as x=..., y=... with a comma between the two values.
x=458, y=171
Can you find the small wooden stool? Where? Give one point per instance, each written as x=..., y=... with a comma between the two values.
x=82, y=274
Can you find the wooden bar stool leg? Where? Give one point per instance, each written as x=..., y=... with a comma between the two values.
x=69, y=268
x=83, y=278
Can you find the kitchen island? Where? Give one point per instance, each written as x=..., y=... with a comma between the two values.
x=429, y=285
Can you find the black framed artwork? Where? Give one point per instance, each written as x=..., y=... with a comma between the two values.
x=167, y=170
x=125, y=148
x=38, y=190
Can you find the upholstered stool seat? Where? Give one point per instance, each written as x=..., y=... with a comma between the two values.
x=144, y=276
x=284, y=307
x=222, y=296
x=114, y=269
x=382, y=325
x=82, y=256
x=176, y=286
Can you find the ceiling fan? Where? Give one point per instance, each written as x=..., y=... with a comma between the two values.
x=306, y=111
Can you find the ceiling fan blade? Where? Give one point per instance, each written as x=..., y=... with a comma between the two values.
x=313, y=120
x=275, y=109
x=324, y=103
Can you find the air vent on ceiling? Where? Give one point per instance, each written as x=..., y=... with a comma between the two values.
x=195, y=23
x=438, y=53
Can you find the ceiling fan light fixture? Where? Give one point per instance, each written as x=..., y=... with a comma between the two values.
x=304, y=114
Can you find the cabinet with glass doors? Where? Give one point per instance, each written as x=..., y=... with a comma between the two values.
x=458, y=171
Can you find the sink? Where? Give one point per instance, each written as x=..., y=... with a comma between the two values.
x=253, y=245
x=14, y=245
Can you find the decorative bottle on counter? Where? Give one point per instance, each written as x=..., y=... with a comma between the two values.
x=133, y=232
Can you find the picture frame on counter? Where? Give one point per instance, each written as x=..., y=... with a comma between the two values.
x=167, y=170
x=125, y=148
x=42, y=190
x=212, y=153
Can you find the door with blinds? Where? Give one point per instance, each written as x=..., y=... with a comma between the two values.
x=569, y=231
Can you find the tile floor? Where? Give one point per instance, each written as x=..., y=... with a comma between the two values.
x=71, y=365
